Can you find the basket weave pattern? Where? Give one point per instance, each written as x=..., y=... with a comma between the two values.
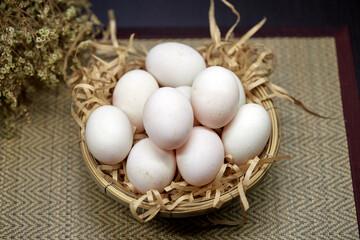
x=93, y=85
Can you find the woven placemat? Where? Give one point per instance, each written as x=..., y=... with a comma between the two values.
x=46, y=191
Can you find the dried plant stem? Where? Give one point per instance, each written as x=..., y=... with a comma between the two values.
x=253, y=63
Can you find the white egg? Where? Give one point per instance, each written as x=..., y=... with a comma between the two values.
x=150, y=167
x=174, y=64
x=242, y=99
x=215, y=97
x=109, y=134
x=186, y=90
x=247, y=134
x=168, y=118
x=131, y=93
x=201, y=157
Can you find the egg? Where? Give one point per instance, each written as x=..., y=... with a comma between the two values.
x=131, y=93
x=186, y=90
x=109, y=134
x=150, y=167
x=201, y=157
x=247, y=134
x=174, y=64
x=242, y=97
x=215, y=97
x=168, y=118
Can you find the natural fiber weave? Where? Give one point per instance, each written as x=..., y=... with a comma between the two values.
x=46, y=191
x=93, y=84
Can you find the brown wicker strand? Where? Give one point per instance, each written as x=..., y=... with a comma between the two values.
x=252, y=63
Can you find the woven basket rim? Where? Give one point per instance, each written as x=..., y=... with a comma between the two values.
x=200, y=207
x=252, y=63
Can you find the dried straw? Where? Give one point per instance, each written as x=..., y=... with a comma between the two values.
x=93, y=85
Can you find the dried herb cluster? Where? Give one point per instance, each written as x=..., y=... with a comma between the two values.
x=35, y=38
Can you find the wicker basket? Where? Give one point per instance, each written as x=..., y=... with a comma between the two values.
x=187, y=209
x=93, y=86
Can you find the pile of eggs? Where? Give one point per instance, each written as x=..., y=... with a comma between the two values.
x=178, y=102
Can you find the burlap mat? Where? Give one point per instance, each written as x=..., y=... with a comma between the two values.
x=46, y=191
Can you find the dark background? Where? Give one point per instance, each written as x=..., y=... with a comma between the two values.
x=192, y=15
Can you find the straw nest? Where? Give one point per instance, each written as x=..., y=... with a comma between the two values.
x=93, y=85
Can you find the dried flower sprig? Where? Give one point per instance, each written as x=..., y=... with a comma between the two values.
x=35, y=37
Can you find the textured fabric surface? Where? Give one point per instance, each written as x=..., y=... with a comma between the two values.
x=47, y=193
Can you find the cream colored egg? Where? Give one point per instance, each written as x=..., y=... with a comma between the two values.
x=168, y=118
x=215, y=97
x=109, y=134
x=174, y=64
x=131, y=93
x=186, y=90
x=247, y=134
x=201, y=157
x=150, y=167
x=242, y=99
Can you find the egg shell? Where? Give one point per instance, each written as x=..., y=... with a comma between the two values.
x=247, y=134
x=242, y=97
x=201, y=157
x=174, y=64
x=150, y=167
x=109, y=134
x=186, y=90
x=168, y=118
x=215, y=97
x=131, y=93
